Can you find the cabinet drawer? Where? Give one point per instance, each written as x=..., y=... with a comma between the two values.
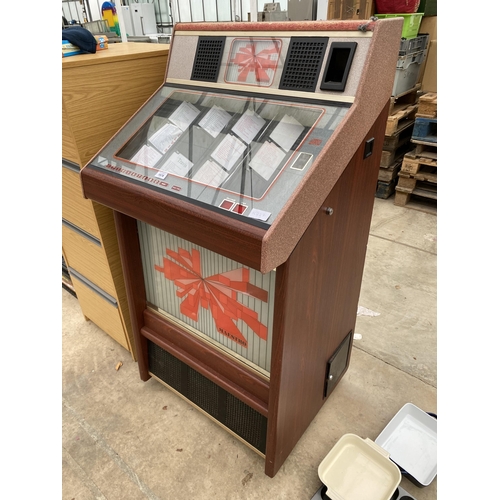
x=88, y=258
x=75, y=208
x=101, y=310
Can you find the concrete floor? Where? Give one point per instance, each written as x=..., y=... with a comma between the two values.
x=124, y=439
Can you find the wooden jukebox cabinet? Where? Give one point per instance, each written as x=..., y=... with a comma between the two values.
x=242, y=192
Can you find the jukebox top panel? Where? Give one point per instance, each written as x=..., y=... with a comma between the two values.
x=294, y=63
x=242, y=155
x=256, y=122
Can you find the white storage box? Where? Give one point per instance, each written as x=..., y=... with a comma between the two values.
x=410, y=438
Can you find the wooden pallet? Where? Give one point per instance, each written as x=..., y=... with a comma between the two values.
x=427, y=105
x=415, y=187
x=400, y=137
x=414, y=163
x=385, y=189
x=416, y=201
x=424, y=149
x=422, y=180
x=387, y=174
x=67, y=284
x=405, y=99
x=389, y=157
x=400, y=119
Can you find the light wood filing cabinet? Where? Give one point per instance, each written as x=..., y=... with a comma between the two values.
x=100, y=92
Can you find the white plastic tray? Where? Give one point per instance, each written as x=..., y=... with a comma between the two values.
x=358, y=469
x=411, y=440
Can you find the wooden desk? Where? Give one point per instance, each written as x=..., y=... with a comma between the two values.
x=100, y=92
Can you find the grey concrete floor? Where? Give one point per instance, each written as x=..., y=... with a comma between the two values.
x=124, y=439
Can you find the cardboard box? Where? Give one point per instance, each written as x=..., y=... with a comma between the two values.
x=102, y=42
x=350, y=9
x=429, y=25
x=429, y=79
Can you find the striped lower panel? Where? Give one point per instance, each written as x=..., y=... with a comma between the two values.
x=237, y=416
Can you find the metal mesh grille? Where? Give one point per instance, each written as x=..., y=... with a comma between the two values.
x=237, y=416
x=303, y=64
x=207, y=60
x=167, y=367
x=202, y=392
x=245, y=421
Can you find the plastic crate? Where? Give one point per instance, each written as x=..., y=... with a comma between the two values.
x=411, y=23
x=407, y=71
x=413, y=45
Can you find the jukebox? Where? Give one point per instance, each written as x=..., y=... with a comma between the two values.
x=242, y=192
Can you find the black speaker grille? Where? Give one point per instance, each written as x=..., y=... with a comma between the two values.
x=208, y=57
x=167, y=366
x=237, y=416
x=202, y=392
x=244, y=421
x=303, y=64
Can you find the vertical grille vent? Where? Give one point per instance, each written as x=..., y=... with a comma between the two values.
x=303, y=63
x=237, y=416
x=208, y=57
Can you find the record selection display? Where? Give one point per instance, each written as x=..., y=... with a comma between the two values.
x=234, y=153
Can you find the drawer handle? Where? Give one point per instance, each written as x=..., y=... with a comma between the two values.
x=106, y=296
x=81, y=232
x=71, y=166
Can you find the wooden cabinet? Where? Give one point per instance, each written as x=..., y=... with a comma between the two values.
x=100, y=92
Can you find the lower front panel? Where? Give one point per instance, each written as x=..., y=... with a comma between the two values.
x=243, y=421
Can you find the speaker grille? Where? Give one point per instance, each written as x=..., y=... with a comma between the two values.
x=202, y=392
x=237, y=416
x=167, y=367
x=303, y=63
x=208, y=57
x=245, y=421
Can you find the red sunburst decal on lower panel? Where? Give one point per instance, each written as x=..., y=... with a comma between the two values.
x=217, y=293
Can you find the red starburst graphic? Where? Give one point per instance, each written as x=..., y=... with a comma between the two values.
x=248, y=60
x=218, y=293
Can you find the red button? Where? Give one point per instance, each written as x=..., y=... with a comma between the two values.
x=227, y=204
x=239, y=209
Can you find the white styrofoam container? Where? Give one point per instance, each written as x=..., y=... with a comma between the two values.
x=358, y=469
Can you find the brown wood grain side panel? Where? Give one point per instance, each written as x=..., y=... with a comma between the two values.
x=318, y=289
x=130, y=254
x=216, y=232
x=109, y=241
